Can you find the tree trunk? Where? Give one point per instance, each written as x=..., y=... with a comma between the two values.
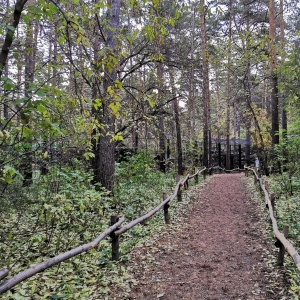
x=284, y=121
x=161, y=123
x=177, y=125
x=273, y=71
x=205, y=88
x=228, y=166
x=30, y=49
x=103, y=146
x=10, y=34
x=191, y=90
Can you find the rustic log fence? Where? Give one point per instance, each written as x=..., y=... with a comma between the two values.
x=114, y=231
x=281, y=237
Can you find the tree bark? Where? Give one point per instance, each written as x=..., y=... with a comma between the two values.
x=284, y=120
x=205, y=87
x=103, y=145
x=161, y=123
x=30, y=57
x=273, y=71
x=228, y=152
x=177, y=126
x=10, y=34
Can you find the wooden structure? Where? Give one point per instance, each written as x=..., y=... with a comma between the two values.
x=238, y=148
x=281, y=237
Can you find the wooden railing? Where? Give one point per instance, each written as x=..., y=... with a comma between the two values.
x=114, y=232
x=281, y=237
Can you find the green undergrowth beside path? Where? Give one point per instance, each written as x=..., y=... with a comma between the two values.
x=287, y=212
x=61, y=211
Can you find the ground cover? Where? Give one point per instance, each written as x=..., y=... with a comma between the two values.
x=219, y=250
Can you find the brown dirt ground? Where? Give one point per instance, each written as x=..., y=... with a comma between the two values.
x=218, y=250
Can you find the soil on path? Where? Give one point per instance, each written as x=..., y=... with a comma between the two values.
x=218, y=251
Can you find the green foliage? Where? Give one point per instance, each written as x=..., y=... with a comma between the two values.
x=288, y=151
x=60, y=211
x=287, y=192
x=140, y=184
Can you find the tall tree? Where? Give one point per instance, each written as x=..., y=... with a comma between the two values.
x=104, y=145
x=228, y=108
x=282, y=46
x=205, y=86
x=273, y=73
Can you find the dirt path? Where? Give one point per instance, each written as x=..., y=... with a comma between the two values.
x=218, y=251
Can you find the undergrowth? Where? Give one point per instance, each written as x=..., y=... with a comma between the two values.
x=61, y=211
x=287, y=193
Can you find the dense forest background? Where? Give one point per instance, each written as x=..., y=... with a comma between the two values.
x=95, y=95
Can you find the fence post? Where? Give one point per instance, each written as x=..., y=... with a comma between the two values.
x=179, y=197
x=166, y=209
x=196, y=176
x=272, y=199
x=254, y=178
x=114, y=239
x=267, y=186
x=246, y=172
x=204, y=174
x=281, y=247
x=186, y=184
x=3, y=273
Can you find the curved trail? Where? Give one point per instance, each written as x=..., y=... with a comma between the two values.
x=218, y=251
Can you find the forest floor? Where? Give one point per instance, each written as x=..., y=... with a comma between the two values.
x=219, y=249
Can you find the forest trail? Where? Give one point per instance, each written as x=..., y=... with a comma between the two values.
x=219, y=250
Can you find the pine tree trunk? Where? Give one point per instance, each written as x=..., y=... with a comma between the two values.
x=273, y=71
x=228, y=152
x=161, y=122
x=103, y=146
x=205, y=89
x=284, y=121
x=30, y=46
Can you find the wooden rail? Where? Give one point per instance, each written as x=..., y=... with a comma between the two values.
x=282, y=243
x=114, y=232
x=164, y=204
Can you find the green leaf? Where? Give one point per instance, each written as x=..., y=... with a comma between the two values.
x=81, y=207
x=115, y=108
x=118, y=84
x=11, y=28
x=40, y=93
x=41, y=109
x=21, y=100
x=88, y=155
x=110, y=90
x=8, y=84
x=97, y=103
